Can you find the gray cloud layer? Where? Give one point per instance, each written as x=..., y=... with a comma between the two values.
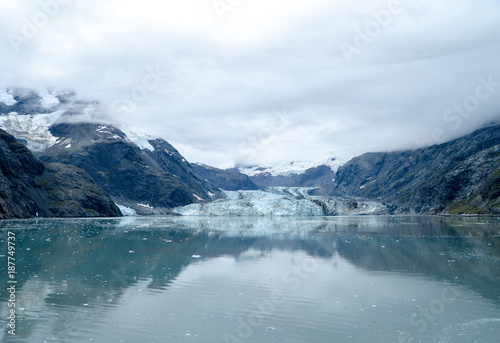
x=254, y=81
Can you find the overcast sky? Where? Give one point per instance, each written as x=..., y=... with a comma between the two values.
x=258, y=81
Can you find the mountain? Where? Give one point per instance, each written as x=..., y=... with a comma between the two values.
x=221, y=179
x=155, y=177
x=139, y=171
x=30, y=188
x=293, y=174
x=458, y=177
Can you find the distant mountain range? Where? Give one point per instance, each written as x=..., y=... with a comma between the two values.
x=80, y=164
x=294, y=174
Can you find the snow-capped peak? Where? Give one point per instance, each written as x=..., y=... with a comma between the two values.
x=296, y=167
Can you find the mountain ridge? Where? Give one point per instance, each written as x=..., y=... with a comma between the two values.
x=457, y=177
x=293, y=174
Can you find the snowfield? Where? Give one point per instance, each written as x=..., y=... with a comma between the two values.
x=281, y=202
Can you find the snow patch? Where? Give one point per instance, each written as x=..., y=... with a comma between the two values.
x=197, y=197
x=106, y=130
x=6, y=97
x=140, y=139
x=145, y=205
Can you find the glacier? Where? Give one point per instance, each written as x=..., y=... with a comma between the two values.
x=127, y=211
x=34, y=129
x=282, y=202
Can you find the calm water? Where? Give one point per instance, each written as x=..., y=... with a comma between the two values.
x=341, y=279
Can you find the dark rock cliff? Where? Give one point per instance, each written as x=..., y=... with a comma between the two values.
x=228, y=180
x=28, y=188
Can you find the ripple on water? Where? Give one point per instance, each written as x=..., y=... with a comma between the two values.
x=476, y=331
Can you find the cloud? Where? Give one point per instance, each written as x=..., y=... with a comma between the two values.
x=213, y=87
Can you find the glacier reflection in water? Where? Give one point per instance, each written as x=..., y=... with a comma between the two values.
x=183, y=279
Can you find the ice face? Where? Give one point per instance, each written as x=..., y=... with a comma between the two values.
x=282, y=202
x=126, y=211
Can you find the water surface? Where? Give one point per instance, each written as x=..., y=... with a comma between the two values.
x=176, y=279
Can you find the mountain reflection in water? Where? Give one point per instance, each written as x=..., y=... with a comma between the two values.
x=156, y=279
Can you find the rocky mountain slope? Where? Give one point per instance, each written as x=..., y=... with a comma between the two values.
x=30, y=188
x=461, y=176
x=221, y=179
